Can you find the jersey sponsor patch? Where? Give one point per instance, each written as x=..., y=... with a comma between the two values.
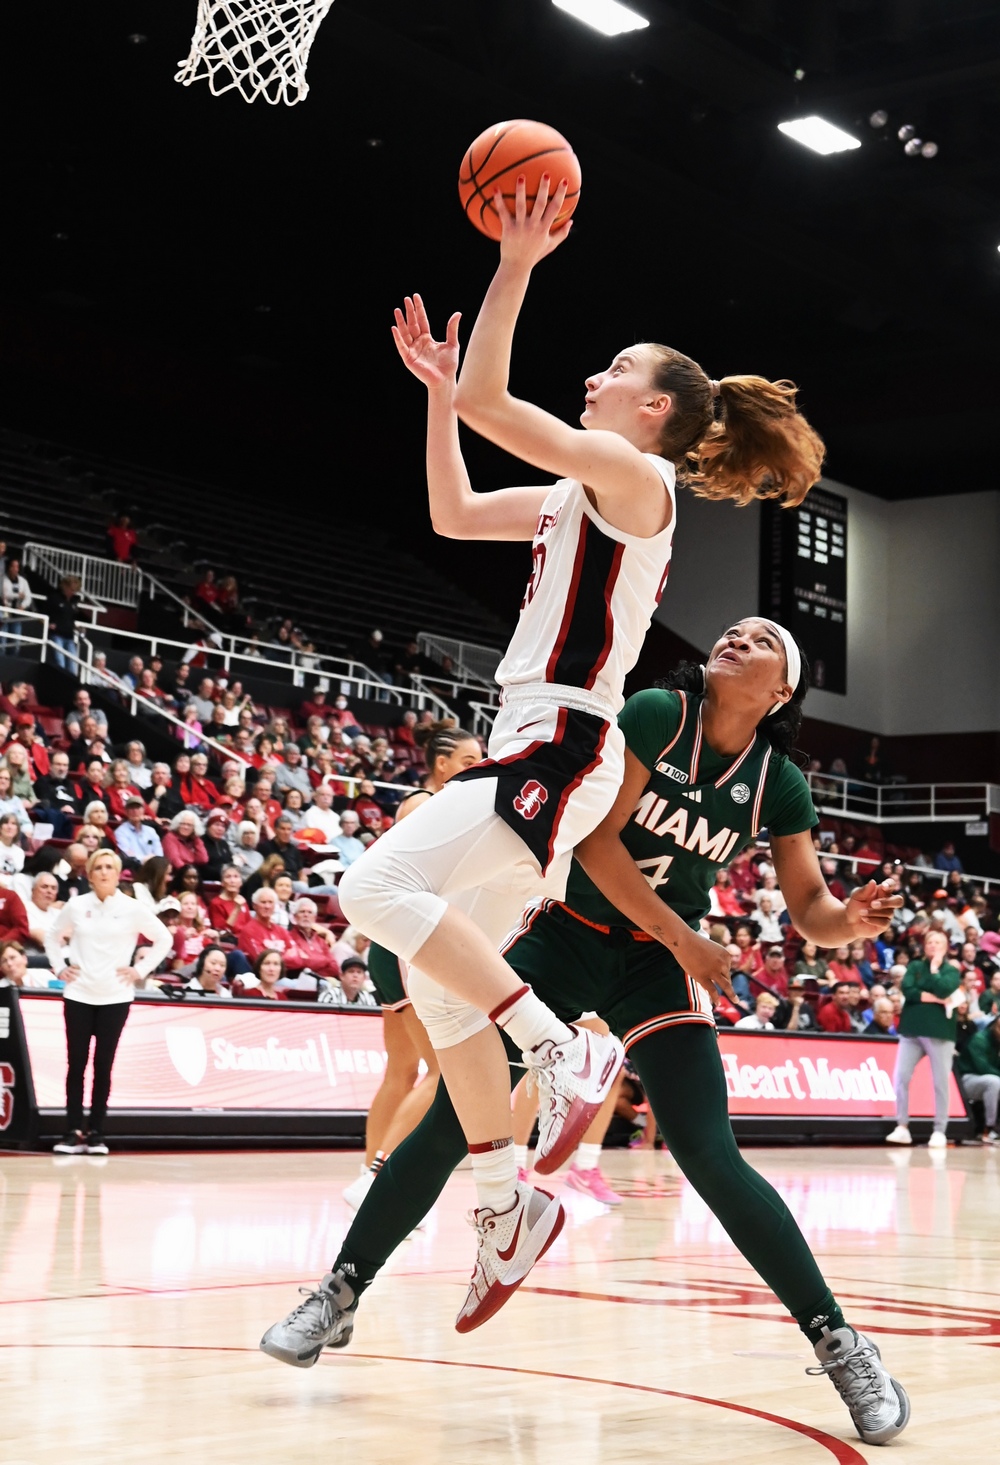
x=740, y=793
x=529, y=801
x=677, y=774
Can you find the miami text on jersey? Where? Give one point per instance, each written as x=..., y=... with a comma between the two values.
x=700, y=840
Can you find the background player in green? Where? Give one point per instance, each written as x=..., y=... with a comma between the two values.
x=706, y=766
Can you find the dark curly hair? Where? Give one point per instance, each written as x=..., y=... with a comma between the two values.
x=781, y=729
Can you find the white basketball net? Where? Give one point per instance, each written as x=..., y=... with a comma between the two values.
x=260, y=47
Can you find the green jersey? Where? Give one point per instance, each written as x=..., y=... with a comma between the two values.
x=698, y=809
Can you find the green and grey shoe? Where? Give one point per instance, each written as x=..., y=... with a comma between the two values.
x=324, y=1320
x=877, y=1402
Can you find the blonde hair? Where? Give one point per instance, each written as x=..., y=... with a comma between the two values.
x=103, y=854
x=760, y=447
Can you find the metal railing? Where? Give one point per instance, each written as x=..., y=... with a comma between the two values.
x=479, y=663
x=902, y=803
x=108, y=582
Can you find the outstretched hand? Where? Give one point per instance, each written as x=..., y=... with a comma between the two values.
x=870, y=907
x=527, y=237
x=435, y=363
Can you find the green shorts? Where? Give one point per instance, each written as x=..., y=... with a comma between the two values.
x=387, y=978
x=633, y=983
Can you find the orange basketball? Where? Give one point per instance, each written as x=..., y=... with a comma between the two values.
x=500, y=155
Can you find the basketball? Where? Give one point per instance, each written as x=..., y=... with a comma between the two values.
x=498, y=157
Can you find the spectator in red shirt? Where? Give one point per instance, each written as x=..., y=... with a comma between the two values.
x=725, y=900
x=16, y=694
x=119, y=787
x=836, y=886
x=226, y=908
x=13, y=918
x=26, y=734
x=183, y=844
x=122, y=538
x=835, y=1016
x=260, y=932
x=841, y=966
x=775, y=972
x=270, y=805
x=312, y=944
x=191, y=934
x=195, y=786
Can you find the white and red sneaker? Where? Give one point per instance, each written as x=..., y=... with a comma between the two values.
x=510, y=1242
x=592, y=1183
x=573, y=1080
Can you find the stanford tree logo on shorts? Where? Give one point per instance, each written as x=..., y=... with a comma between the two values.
x=531, y=798
x=6, y=1095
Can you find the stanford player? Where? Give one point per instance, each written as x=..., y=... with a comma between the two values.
x=441, y=889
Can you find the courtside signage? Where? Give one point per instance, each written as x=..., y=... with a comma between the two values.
x=182, y=1056
x=832, y=1077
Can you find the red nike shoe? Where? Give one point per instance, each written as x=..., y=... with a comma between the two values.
x=509, y=1242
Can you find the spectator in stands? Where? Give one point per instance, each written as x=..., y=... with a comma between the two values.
x=262, y=808
x=183, y=845
x=840, y=967
x=942, y=916
x=271, y=868
x=206, y=592
x=191, y=934
x=260, y=932
x=862, y=966
x=351, y=943
x=989, y=1002
x=190, y=735
x=762, y=1017
x=725, y=900
x=133, y=676
x=13, y=700
x=883, y=1019
x=95, y=832
x=13, y=917
x=137, y=839
x=767, y=920
x=269, y=971
x=217, y=845
x=62, y=608
x=969, y=966
x=71, y=872
x=775, y=972
x=15, y=596
x=15, y=760
x=226, y=908
x=151, y=885
x=14, y=970
x=204, y=700
x=835, y=1016
x=312, y=944
x=292, y=773
x=216, y=728
x=346, y=843
x=209, y=977
x=341, y=718
x=83, y=707
x=118, y=787
x=810, y=963
x=978, y=1065
x=163, y=799
x=139, y=769
x=946, y=859
x=82, y=745
x=294, y=809
x=800, y=1014
x=283, y=844
x=285, y=891
x=122, y=539
x=178, y=685
x=350, y=990
x=11, y=852
x=11, y=804
x=194, y=786
x=245, y=855
x=321, y=816
x=769, y=887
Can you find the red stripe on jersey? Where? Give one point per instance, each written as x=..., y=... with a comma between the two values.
x=663, y=582
x=609, y=620
x=572, y=787
x=574, y=588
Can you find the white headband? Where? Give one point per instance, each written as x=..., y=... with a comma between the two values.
x=792, y=658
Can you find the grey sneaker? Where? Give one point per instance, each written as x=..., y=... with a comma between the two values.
x=324, y=1320
x=877, y=1402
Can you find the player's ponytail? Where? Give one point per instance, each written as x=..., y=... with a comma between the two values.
x=759, y=446
x=439, y=739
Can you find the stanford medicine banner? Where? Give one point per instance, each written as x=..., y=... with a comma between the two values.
x=203, y=1069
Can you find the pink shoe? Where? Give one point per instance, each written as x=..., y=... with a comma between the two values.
x=592, y=1183
x=522, y=1176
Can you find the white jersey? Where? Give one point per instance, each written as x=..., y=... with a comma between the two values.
x=590, y=597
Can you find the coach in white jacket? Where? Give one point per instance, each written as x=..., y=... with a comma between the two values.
x=91, y=945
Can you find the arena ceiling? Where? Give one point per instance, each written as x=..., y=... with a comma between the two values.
x=206, y=285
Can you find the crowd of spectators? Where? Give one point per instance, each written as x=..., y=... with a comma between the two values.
x=236, y=842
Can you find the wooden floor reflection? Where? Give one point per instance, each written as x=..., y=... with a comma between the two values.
x=133, y=1292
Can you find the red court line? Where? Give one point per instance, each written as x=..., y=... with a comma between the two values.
x=842, y=1452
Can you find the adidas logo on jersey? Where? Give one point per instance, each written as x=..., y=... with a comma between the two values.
x=693, y=794
x=677, y=774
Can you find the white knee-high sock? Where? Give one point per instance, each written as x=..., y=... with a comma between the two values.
x=528, y=1021
x=587, y=1157
x=494, y=1169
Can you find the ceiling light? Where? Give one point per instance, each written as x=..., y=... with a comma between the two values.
x=818, y=134
x=606, y=16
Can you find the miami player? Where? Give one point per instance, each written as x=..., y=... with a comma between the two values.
x=441, y=888
x=706, y=767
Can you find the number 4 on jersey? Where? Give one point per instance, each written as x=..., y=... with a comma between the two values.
x=655, y=870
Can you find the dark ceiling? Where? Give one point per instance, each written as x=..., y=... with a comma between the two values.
x=207, y=286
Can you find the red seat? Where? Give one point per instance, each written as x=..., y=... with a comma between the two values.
x=51, y=724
